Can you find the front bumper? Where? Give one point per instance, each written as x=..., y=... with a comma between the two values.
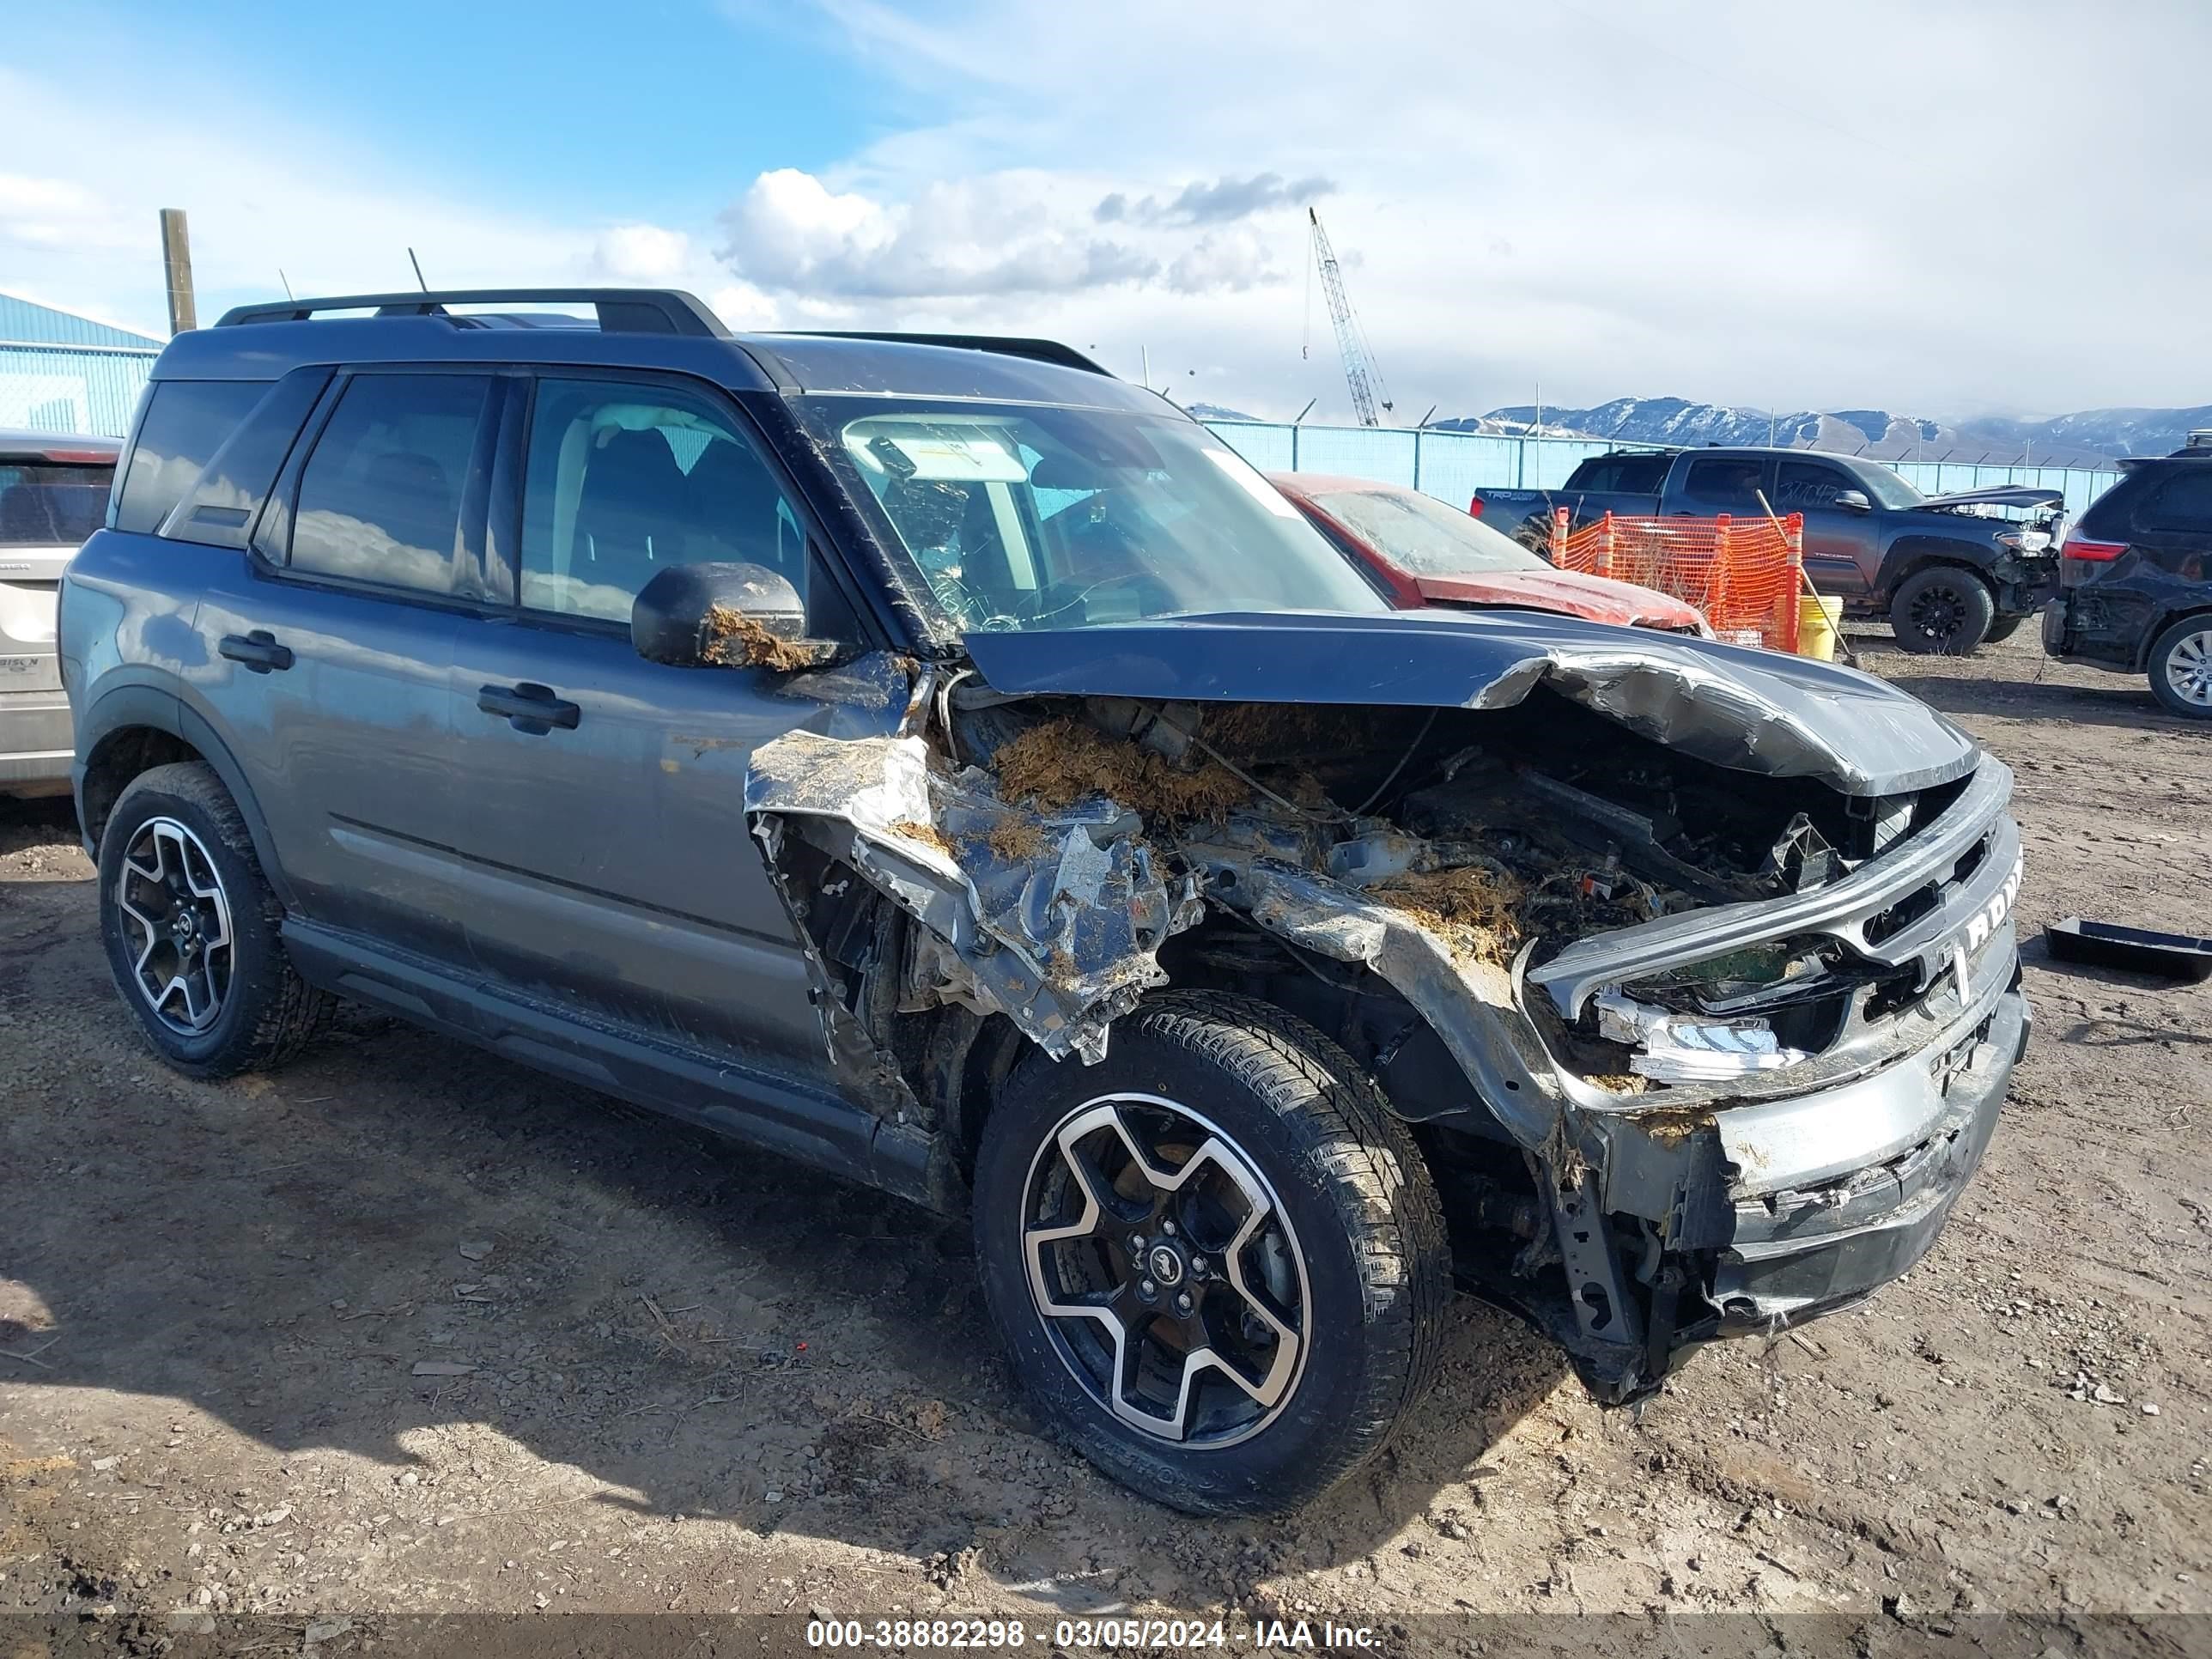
x=2024, y=583
x=1829, y=1237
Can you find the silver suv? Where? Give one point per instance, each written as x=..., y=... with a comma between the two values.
x=53, y=494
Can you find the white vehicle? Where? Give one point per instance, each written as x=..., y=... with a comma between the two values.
x=53, y=494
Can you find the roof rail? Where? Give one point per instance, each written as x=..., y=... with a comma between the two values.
x=1043, y=351
x=620, y=310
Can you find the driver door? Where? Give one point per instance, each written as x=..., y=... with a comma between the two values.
x=1840, y=549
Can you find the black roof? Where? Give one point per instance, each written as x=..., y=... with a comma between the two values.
x=636, y=328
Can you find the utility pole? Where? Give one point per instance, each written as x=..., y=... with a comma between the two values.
x=177, y=267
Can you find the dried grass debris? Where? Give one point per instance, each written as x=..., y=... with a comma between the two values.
x=1017, y=840
x=1065, y=761
x=927, y=834
x=735, y=639
x=1476, y=912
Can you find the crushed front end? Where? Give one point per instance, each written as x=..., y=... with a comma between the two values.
x=1693, y=968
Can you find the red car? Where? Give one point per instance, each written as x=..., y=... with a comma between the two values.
x=1427, y=552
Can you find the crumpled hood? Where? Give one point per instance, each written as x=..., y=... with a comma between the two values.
x=1600, y=599
x=1756, y=711
x=1998, y=495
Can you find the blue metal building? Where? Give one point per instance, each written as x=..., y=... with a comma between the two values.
x=60, y=373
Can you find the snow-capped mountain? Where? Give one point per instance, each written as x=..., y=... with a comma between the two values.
x=2089, y=438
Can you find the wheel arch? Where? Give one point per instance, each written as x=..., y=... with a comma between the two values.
x=1911, y=555
x=2166, y=619
x=134, y=728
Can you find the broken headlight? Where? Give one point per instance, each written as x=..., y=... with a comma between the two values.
x=1677, y=1048
x=1753, y=1010
x=1753, y=980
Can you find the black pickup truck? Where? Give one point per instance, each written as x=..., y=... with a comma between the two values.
x=1948, y=572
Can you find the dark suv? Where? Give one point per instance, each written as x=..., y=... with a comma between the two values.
x=2136, y=575
x=938, y=761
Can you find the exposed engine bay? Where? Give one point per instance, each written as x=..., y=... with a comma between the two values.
x=1562, y=947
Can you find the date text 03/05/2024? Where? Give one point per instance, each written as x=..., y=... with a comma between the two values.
x=1069, y=1634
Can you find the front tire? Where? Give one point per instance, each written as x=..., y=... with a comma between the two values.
x=191, y=929
x=1943, y=612
x=2181, y=667
x=1216, y=1259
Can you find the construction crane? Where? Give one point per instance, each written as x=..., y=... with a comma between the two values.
x=1360, y=371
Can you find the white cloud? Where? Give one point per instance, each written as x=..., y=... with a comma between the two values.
x=1877, y=205
x=644, y=254
x=994, y=235
x=79, y=226
x=48, y=213
x=1872, y=204
x=1233, y=259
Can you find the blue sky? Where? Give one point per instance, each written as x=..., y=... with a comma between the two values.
x=1941, y=209
x=650, y=109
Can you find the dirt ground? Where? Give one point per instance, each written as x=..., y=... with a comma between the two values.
x=406, y=1329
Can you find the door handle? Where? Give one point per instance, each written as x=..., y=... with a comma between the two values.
x=529, y=708
x=258, y=651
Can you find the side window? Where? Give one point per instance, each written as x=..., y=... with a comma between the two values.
x=186, y=421
x=1723, y=482
x=1804, y=485
x=2182, y=503
x=381, y=496
x=623, y=481
x=1622, y=473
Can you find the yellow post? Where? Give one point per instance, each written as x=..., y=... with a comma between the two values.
x=1793, y=536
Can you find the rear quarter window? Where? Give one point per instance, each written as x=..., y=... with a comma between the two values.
x=185, y=423
x=2179, y=503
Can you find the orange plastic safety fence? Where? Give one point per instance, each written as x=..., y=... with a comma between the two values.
x=1741, y=573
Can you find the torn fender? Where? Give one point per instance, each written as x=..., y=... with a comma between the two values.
x=1469, y=1004
x=1053, y=919
x=1753, y=711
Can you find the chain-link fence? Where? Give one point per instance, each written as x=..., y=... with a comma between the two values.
x=1453, y=465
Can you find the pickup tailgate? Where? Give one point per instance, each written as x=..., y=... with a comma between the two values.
x=1523, y=514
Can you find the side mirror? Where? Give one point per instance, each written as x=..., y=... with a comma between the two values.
x=724, y=616
x=1852, y=501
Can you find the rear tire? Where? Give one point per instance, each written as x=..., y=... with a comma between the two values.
x=2002, y=629
x=1943, y=612
x=2181, y=667
x=1228, y=1185
x=192, y=930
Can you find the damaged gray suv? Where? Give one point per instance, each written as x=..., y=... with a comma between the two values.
x=938, y=761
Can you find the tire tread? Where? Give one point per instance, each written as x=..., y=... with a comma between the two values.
x=292, y=1013
x=1396, y=1223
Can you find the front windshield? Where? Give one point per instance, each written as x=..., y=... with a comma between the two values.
x=1886, y=488
x=1425, y=536
x=1028, y=516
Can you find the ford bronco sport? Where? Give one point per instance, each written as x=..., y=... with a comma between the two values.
x=936, y=760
